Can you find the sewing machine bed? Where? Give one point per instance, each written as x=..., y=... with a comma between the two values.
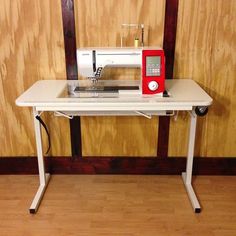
x=98, y=91
x=57, y=95
x=105, y=89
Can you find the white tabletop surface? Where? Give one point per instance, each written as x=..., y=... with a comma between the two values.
x=48, y=95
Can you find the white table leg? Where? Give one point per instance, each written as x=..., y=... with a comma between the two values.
x=43, y=177
x=187, y=176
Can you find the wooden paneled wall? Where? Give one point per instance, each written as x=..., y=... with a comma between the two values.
x=206, y=52
x=98, y=23
x=32, y=48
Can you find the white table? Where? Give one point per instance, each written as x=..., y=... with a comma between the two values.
x=51, y=96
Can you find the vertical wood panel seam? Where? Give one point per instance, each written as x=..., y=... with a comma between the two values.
x=68, y=19
x=171, y=13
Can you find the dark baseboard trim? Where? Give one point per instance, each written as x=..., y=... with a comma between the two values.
x=114, y=165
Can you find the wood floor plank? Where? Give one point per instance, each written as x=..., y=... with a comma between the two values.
x=117, y=205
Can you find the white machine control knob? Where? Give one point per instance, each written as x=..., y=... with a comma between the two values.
x=153, y=85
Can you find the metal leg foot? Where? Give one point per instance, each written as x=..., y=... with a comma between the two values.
x=38, y=196
x=191, y=194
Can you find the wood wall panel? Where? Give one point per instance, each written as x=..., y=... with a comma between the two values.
x=119, y=136
x=31, y=48
x=206, y=52
x=98, y=23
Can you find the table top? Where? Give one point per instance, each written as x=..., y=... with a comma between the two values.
x=184, y=94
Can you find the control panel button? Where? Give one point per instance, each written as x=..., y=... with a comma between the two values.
x=153, y=85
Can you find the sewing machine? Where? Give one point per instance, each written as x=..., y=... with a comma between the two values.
x=92, y=61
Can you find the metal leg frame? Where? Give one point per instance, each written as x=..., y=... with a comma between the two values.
x=187, y=176
x=43, y=177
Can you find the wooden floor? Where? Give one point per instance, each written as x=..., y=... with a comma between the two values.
x=117, y=205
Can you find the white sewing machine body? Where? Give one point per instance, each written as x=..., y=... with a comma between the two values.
x=151, y=60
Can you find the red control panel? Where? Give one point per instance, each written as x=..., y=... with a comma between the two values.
x=153, y=71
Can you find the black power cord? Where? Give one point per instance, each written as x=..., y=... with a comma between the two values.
x=45, y=127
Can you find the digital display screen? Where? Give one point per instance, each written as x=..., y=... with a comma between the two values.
x=153, y=66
